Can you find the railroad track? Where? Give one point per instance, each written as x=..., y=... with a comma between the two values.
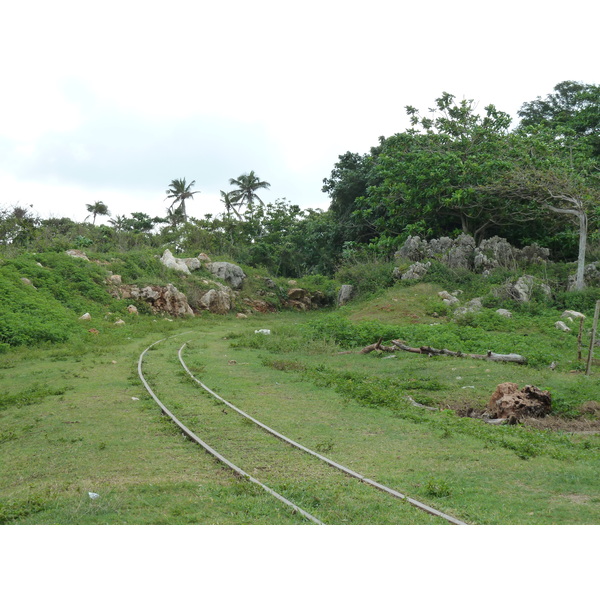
x=320, y=459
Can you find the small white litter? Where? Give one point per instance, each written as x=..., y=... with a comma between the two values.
x=93, y=495
x=263, y=331
x=466, y=387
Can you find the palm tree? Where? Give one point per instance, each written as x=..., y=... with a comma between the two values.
x=118, y=222
x=230, y=201
x=247, y=185
x=98, y=208
x=179, y=191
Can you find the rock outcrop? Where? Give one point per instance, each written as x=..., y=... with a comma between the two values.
x=301, y=299
x=472, y=306
x=184, y=265
x=77, y=254
x=464, y=253
x=167, y=299
x=345, y=294
x=523, y=289
x=416, y=271
x=261, y=306
x=228, y=272
x=216, y=301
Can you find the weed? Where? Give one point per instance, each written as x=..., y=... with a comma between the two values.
x=324, y=446
x=437, y=488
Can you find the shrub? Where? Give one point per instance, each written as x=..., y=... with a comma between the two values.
x=367, y=277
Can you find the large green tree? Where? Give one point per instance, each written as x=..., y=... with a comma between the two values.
x=430, y=179
x=572, y=112
x=552, y=175
x=350, y=179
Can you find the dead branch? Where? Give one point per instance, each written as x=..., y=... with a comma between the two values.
x=493, y=356
x=376, y=346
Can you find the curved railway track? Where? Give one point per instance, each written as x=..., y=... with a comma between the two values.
x=353, y=474
x=192, y=436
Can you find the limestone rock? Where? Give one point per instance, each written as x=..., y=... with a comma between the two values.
x=472, y=306
x=260, y=306
x=161, y=299
x=561, y=326
x=28, y=282
x=229, y=272
x=202, y=257
x=216, y=301
x=448, y=298
x=573, y=314
x=114, y=280
x=523, y=288
x=241, y=316
x=416, y=271
x=345, y=294
x=193, y=264
x=504, y=313
x=132, y=310
x=77, y=254
x=120, y=322
x=177, y=264
x=508, y=401
x=86, y=317
x=463, y=253
x=414, y=249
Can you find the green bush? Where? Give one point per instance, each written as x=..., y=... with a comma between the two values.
x=367, y=277
x=580, y=300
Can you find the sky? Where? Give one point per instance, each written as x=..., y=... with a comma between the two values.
x=109, y=101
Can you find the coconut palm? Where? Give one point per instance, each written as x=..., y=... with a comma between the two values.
x=230, y=201
x=180, y=191
x=98, y=208
x=118, y=222
x=247, y=185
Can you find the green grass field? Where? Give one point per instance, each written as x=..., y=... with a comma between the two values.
x=74, y=418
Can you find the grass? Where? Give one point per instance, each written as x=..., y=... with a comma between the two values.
x=75, y=419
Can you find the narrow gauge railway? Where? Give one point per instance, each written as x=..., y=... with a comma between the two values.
x=295, y=475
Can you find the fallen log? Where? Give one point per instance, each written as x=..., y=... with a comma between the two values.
x=376, y=346
x=493, y=356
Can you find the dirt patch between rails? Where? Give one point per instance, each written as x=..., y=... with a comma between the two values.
x=587, y=424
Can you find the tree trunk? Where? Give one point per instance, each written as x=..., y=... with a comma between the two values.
x=579, y=281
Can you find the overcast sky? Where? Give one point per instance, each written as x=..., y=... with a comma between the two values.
x=112, y=100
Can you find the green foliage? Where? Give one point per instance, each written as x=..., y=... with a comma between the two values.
x=366, y=272
x=436, y=487
x=61, y=290
x=583, y=301
x=571, y=111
